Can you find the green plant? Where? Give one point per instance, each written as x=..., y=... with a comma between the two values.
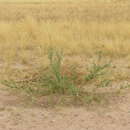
x=63, y=80
x=125, y=86
x=96, y=71
x=55, y=80
x=104, y=83
x=51, y=80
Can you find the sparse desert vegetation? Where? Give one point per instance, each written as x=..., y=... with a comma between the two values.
x=66, y=53
x=87, y=30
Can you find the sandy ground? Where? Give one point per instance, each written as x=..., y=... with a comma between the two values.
x=14, y=116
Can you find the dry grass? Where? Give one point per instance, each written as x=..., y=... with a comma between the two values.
x=76, y=37
x=79, y=28
x=92, y=34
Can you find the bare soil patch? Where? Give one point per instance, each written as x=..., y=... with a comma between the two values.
x=15, y=116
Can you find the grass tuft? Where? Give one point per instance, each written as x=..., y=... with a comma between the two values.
x=55, y=80
x=96, y=71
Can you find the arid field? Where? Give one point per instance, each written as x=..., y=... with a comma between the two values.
x=65, y=64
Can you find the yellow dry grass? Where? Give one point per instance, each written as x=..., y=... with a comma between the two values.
x=78, y=27
x=76, y=37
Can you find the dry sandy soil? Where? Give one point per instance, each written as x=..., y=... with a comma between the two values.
x=107, y=30
x=14, y=116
